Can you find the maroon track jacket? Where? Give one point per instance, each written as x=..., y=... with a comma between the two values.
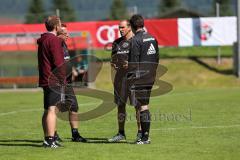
x=50, y=59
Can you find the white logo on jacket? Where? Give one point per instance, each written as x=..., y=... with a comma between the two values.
x=151, y=50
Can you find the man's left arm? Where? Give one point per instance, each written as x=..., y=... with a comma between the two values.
x=58, y=60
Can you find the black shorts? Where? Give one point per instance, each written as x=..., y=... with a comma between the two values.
x=70, y=100
x=64, y=99
x=51, y=97
x=121, y=92
x=138, y=95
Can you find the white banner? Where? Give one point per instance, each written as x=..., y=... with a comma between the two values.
x=207, y=31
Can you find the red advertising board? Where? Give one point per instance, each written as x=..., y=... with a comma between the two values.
x=97, y=34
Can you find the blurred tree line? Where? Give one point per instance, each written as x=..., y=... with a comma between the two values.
x=224, y=5
x=118, y=9
x=36, y=12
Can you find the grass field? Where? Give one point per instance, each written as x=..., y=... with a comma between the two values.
x=171, y=52
x=198, y=120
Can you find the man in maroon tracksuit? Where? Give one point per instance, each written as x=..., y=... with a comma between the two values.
x=50, y=60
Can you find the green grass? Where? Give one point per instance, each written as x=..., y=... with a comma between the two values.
x=225, y=51
x=198, y=120
x=186, y=74
x=210, y=131
x=171, y=52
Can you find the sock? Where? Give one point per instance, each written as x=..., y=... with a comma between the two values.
x=55, y=134
x=75, y=132
x=139, y=131
x=122, y=132
x=49, y=139
x=145, y=124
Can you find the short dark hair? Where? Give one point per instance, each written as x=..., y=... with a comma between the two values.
x=63, y=25
x=51, y=22
x=137, y=21
x=61, y=31
x=126, y=20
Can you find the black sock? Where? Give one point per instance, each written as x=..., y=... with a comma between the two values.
x=49, y=139
x=139, y=131
x=145, y=120
x=75, y=132
x=122, y=132
x=55, y=134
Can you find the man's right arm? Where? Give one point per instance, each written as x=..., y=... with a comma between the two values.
x=113, y=55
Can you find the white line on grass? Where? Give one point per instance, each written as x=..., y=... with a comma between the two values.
x=197, y=127
x=21, y=90
x=155, y=129
x=21, y=111
x=32, y=110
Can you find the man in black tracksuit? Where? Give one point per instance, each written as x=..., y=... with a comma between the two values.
x=121, y=49
x=142, y=66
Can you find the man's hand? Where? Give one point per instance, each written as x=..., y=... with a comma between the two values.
x=74, y=72
x=114, y=65
x=125, y=65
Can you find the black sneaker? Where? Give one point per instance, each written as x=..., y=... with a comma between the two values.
x=58, y=143
x=57, y=138
x=138, y=137
x=78, y=138
x=141, y=141
x=117, y=138
x=50, y=145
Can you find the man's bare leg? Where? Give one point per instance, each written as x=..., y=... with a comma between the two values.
x=73, y=120
x=51, y=120
x=44, y=125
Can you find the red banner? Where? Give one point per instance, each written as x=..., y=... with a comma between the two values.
x=22, y=37
x=165, y=31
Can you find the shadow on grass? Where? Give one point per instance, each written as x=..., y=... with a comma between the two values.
x=31, y=143
x=200, y=62
x=22, y=140
x=103, y=141
x=38, y=143
x=20, y=145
